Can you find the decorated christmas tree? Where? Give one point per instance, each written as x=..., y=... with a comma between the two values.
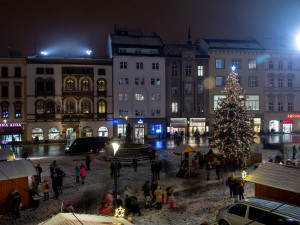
x=232, y=130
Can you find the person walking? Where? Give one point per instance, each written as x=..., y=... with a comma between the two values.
x=16, y=203
x=230, y=182
x=46, y=188
x=77, y=174
x=171, y=201
x=235, y=190
x=88, y=162
x=52, y=167
x=134, y=163
x=119, y=166
x=241, y=188
x=82, y=173
x=54, y=184
x=208, y=168
x=157, y=170
x=218, y=169
x=59, y=173
x=146, y=188
x=112, y=169
x=294, y=152
x=39, y=171
x=158, y=197
x=165, y=197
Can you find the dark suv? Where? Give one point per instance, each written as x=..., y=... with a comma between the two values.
x=90, y=144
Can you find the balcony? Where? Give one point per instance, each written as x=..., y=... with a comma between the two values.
x=77, y=93
x=76, y=117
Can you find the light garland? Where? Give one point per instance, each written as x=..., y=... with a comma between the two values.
x=120, y=212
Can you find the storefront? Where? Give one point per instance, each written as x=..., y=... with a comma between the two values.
x=282, y=123
x=257, y=124
x=178, y=126
x=197, y=124
x=10, y=132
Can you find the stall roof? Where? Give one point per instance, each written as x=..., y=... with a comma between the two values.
x=16, y=169
x=6, y=154
x=276, y=176
x=69, y=218
x=181, y=149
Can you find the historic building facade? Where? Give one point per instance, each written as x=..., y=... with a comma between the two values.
x=138, y=83
x=13, y=122
x=68, y=99
x=187, y=70
x=248, y=58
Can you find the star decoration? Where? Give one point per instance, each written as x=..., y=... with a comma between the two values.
x=120, y=212
x=244, y=174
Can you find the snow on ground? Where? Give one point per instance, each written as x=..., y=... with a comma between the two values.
x=195, y=198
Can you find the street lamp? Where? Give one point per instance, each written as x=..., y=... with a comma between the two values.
x=116, y=148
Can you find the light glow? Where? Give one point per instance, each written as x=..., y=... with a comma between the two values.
x=44, y=53
x=298, y=41
x=89, y=52
x=115, y=147
x=244, y=174
x=120, y=212
x=233, y=68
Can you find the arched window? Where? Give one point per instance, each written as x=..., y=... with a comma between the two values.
x=70, y=85
x=102, y=106
x=85, y=107
x=49, y=85
x=40, y=107
x=87, y=132
x=40, y=84
x=102, y=85
x=37, y=132
x=85, y=85
x=53, y=134
x=70, y=107
x=50, y=107
x=103, y=132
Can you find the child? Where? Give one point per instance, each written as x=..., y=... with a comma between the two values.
x=77, y=173
x=46, y=187
x=171, y=201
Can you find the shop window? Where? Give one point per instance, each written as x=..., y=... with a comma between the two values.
x=54, y=134
x=50, y=107
x=37, y=132
x=87, y=132
x=103, y=132
x=40, y=107
x=156, y=129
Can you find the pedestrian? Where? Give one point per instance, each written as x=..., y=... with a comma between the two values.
x=52, y=167
x=39, y=171
x=134, y=163
x=158, y=197
x=218, y=169
x=153, y=153
x=109, y=202
x=46, y=188
x=25, y=154
x=146, y=188
x=165, y=197
x=153, y=170
x=119, y=166
x=208, y=168
x=59, y=173
x=16, y=203
x=230, y=182
x=82, y=173
x=128, y=192
x=235, y=190
x=157, y=170
x=88, y=162
x=77, y=174
x=241, y=188
x=294, y=152
x=54, y=184
x=153, y=187
x=112, y=169
x=171, y=201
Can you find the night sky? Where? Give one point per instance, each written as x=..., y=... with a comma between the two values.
x=87, y=23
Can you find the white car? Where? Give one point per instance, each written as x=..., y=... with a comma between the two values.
x=257, y=211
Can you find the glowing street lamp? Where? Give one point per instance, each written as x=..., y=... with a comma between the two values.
x=116, y=148
x=89, y=52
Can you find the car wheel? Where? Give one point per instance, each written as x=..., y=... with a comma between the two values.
x=223, y=222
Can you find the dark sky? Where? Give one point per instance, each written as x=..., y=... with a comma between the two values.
x=88, y=22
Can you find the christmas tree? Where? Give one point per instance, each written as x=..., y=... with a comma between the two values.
x=232, y=131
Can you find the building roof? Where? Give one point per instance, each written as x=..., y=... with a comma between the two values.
x=6, y=154
x=276, y=176
x=69, y=218
x=16, y=169
x=175, y=50
x=181, y=149
x=233, y=44
x=154, y=40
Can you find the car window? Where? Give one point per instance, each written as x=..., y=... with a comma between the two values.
x=265, y=217
x=238, y=209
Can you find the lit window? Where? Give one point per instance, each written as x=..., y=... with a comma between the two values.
x=155, y=97
x=85, y=85
x=158, y=82
x=217, y=100
x=4, y=112
x=252, y=102
x=120, y=97
x=102, y=85
x=174, y=107
x=102, y=107
x=220, y=63
x=70, y=85
x=139, y=97
x=200, y=71
x=271, y=82
x=252, y=64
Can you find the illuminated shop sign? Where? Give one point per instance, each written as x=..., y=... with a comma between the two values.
x=10, y=125
x=287, y=121
x=140, y=121
x=293, y=116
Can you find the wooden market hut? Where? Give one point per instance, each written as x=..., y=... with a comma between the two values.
x=14, y=176
x=185, y=149
x=276, y=182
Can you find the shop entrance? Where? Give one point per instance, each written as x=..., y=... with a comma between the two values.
x=140, y=131
x=274, y=126
x=70, y=136
x=287, y=126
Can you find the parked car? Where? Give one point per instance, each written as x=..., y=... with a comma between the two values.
x=256, y=211
x=90, y=144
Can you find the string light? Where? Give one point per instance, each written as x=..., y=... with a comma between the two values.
x=120, y=212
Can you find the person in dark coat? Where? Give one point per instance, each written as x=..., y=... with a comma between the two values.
x=230, y=182
x=153, y=170
x=235, y=190
x=55, y=184
x=134, y=163
x=119, y=166
x=112, y=169
x=16, y=201
x=52, y=167
x=153, y=187
x=59, y=173
x=218, y=169
x=88, y=162
x=208, y=168
x=241, y=188
x=157, y=170
x=146, y=188
x=39, y=171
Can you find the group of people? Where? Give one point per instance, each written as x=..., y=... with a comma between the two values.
x=112, y=169
x=236, y=187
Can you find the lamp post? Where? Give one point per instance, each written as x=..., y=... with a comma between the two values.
x=116, y=148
